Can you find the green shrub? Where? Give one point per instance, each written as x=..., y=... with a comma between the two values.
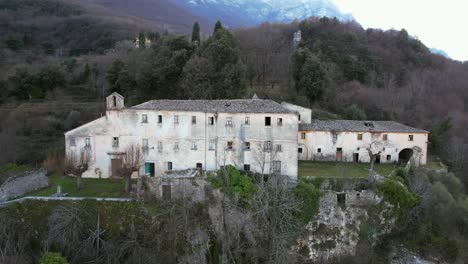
x=234, y=184
x=397, y=194
x=310, y=197
x=53, y=258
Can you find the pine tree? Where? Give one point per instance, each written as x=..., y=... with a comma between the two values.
x=218, y=26
x=196, y=34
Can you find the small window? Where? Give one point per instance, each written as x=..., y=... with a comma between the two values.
x=72, y=142
x=247, y=146
x=160, y=146
x=280, y=122
x=339, y=149
x=359, y=137
x=159, y=119
x=247, y=121
x=385, y=137
x=169, y=166
x=176, y=119
x=144, y=118
x=194, y=145
x=277, y=166
x=246, y=167
x=115, y=142
x=267, y=146
x=299, y=117
x=230, y=145
x=389, y=157
x=212, y=145
x=299, y=150
x=199, y=166
x=267, y=121
x=176, y=146
x=229, y=121
x=358, y=149
x=411, y=137
x=210, y=120
x=303, y=135
x=194, y=120
x=145, y=143
x=279, y=148
x=88, y=142
x=114, y=101
x=319, y=150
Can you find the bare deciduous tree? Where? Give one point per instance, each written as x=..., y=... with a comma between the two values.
x=375, y=148
x=131, y=162
x=77, y=165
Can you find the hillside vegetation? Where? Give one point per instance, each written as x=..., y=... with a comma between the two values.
x=59, y=59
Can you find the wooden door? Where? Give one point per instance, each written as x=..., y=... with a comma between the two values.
x=339, y=155
x=116, y=165
x=356, y=157
x=166, y=192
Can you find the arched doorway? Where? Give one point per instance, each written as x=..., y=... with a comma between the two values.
x=405, y=155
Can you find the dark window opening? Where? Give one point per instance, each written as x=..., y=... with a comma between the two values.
x=385, y=137
x=359, y=136
x=114, y=99
x=267, y=121
x=299, y=117
x=210, y=120
x=341, y=198
x=319, y=150
x=389, y=157
x=246, y=167
x=194, y=120
x=159, y=119
x=199, y=166
x=230, y=145
x=246, y=145
x=115, y=142
x=169, y=166
x=410, y=137
x=339, y=149
x=280, y=121
x=299, y=150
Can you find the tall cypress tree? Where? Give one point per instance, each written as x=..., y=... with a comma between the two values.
x=218, y=26
x=196, y=34
x=142, y=40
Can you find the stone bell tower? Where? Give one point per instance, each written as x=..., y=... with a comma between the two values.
x=115, y=101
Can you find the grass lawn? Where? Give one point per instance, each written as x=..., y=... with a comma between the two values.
x=434, y=163
x=342, y=169
x=113, y=188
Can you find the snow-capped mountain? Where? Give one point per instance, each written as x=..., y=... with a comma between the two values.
x=252, y=12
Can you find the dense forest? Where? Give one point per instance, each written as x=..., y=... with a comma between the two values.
x=58, y=61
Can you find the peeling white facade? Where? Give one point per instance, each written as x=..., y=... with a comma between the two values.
x=326, y=145
x=256, y=135
x=179, y=140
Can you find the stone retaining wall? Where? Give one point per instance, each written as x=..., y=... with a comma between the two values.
x=22, y=184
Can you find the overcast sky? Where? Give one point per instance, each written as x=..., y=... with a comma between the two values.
x=441, y=24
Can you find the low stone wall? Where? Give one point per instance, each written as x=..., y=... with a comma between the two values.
x=22, y=184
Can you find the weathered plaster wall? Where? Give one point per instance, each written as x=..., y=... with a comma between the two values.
x=127, y=125
x=328, y=142
x=305, y=113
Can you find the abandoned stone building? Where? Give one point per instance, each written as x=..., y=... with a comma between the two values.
x=350, y=140
x=251, y=134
